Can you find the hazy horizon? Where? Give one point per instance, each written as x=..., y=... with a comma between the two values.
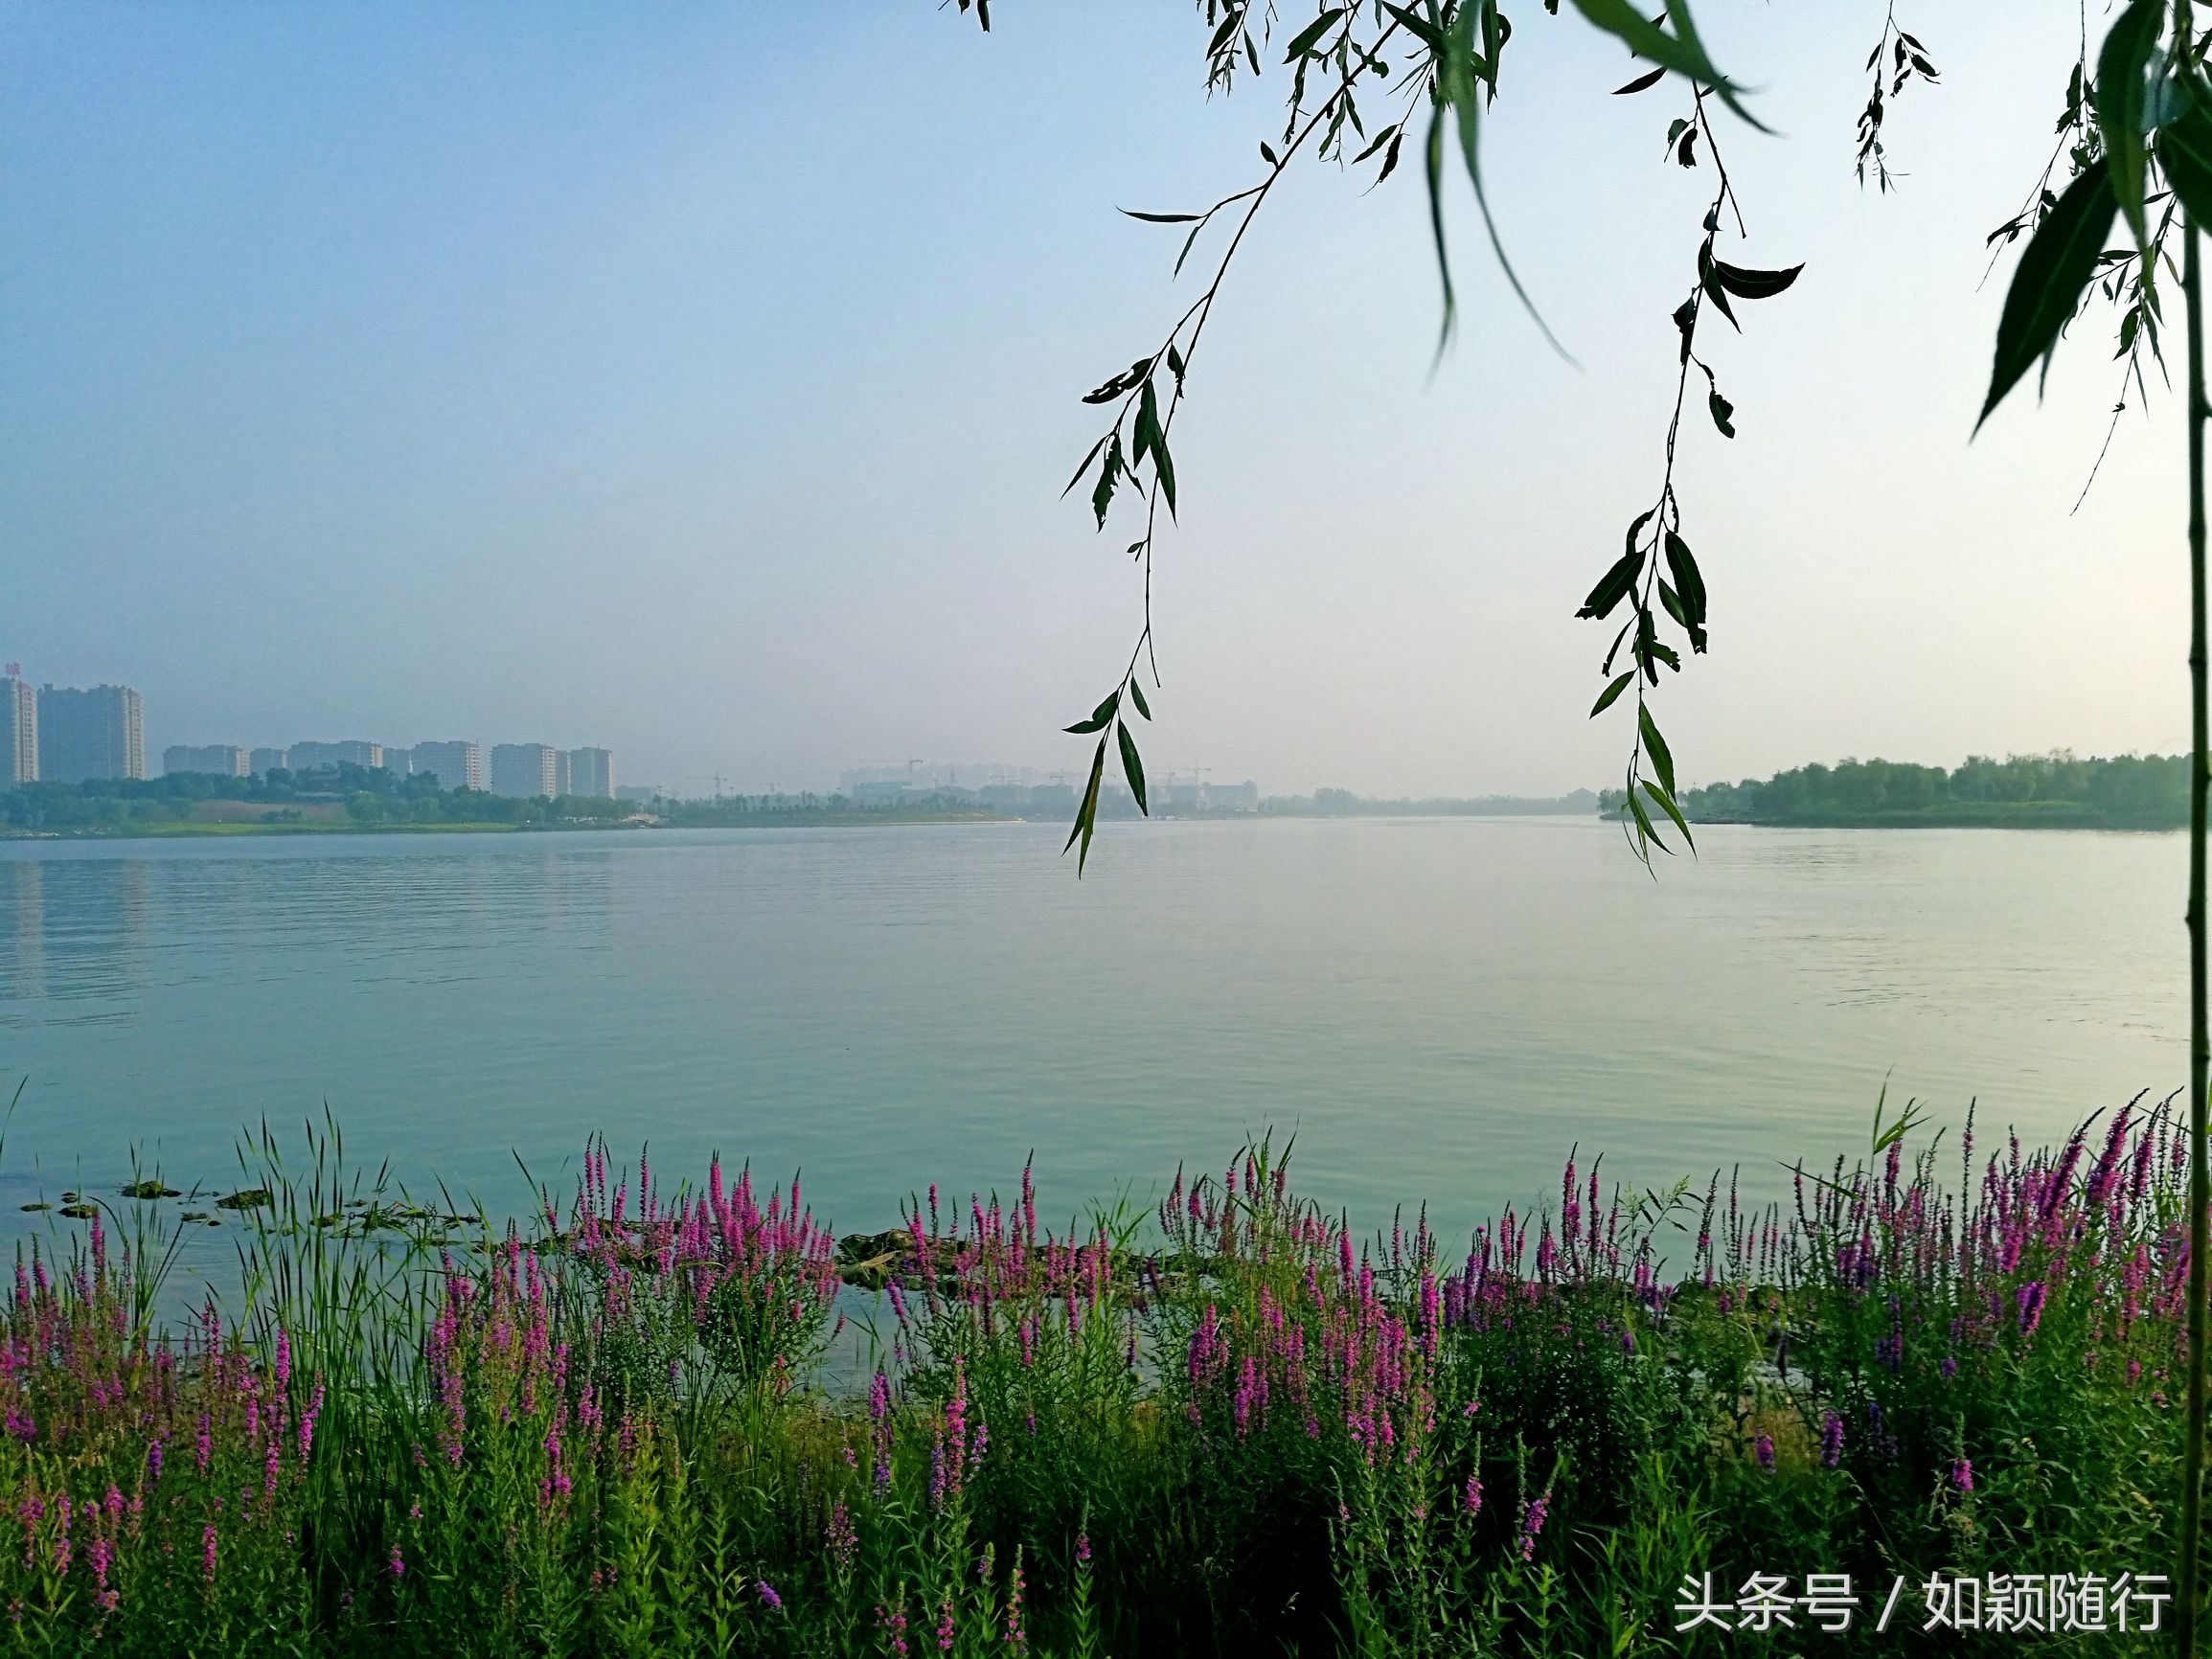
x=702, y=385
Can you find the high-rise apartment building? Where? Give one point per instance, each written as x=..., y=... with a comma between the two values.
x=224, y=760
x=591, y=772
x=525, y=769
x=270, y=760
x=351, y=752
x=458, y=765
x=18, y=731
x=99, y=733
x=398, y=762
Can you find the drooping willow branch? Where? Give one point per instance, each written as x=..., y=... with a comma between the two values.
x=1453, y=52
x=1654, y=541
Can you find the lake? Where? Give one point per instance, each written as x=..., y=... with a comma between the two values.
x=1437, y=1009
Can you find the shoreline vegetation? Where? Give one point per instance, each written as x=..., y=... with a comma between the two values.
x=1228, y=1425
x=356, y=800
x=2054, y=791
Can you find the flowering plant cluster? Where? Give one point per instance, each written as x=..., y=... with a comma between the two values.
x=696, y=1421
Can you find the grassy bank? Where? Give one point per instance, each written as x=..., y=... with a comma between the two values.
x=1230, y=1427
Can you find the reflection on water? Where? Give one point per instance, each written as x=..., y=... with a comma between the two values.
x=80, y=935
x=1437, y=1008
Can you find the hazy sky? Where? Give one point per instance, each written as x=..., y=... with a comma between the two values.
x=698, y=379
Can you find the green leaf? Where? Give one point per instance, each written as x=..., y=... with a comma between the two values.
x=1132, y=768
x=1162, y=218
x=1750, y=284
x=1164, y=465
x=1682, y=50
x=1641, y=82
x=1137, y=697
x=1613, y=586
x=1390, y=159
x=1305, y=38
x=1109, y=475
x=1147, y=431
x=2121, y=85
x=1610, y=694
x=1655, y=746
x=1688, y=586
x=1666, y=800
x=1434, y=156
x=2185, y=150
x=1723, y=412
x=1086, y=461
x=1424, y=30
x=1461, y=86
x=1086, y=814
x=1379, y=140
x=1710, y=280
x=2059, y=262
x=1644, y=831
x=1099, y=717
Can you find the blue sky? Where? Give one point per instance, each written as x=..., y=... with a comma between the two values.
x=699, y=379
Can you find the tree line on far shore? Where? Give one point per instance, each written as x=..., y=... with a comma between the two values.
x=2058, y=791
x=370, y=795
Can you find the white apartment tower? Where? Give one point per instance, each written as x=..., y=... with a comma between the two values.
x=591, y=772
x=458, y=765
x=224, y=759
x=525, y=769
x=18, y=731
x=87, y=734
x=353, y=752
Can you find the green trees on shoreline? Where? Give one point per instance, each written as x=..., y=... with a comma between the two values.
x=2058, y=791
x=368, y=795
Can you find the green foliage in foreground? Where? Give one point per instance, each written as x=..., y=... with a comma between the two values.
x=1243, y=1433
x=2054, y=791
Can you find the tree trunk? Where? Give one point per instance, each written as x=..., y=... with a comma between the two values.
x=2190, y=1597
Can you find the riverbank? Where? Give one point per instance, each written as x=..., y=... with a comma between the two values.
x=1225, y=1426
x=1982, y=815
x=760, y=821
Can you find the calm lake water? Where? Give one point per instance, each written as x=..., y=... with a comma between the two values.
x=1436, y=1008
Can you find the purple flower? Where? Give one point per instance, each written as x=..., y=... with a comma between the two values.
x=1962, y=1474
x=1533, y=1524
x=769, y=1597
x=1832, y=1439
x=1763, y=1449
x=2029, y=1300
x=399, y=1563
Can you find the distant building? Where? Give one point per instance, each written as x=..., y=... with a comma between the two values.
x=266, y=761
x=224, y=759
x=351, y=752
x=18, y=731
x=525, y=769
x=398, y=762
x=99, y=733
x=458, y=765
x=591, y=772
